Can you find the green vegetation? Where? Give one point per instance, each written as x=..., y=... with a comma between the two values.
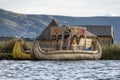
x=7, y=56
x=6, y=46
x=111, y=53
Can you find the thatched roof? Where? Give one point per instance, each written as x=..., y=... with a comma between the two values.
x=92, y=30
x=100, y=30
x=90, y=34
x=45, y=35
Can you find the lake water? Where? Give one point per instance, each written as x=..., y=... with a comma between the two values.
x=60, y=70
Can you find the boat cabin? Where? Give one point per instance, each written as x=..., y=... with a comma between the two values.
x=69, y=38
x=65, y=37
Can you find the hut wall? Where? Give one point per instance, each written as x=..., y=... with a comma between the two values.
x=50, y=44
x=105, y=41
x=44, y=44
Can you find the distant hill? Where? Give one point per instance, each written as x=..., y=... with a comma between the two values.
x=15, y=24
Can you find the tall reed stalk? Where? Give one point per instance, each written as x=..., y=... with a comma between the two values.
x=111, y=53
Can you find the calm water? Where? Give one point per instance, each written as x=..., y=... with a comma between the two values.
x=59, y=70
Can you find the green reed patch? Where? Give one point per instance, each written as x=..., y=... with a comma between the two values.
x=7, y=56
x=7, y=46
x=111, y=53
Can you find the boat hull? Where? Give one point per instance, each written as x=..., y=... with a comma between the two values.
x=18, y=53
x=38, y=53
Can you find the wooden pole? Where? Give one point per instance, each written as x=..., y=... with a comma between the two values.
x=85, y=42
x=70, y=35
x=62, y=40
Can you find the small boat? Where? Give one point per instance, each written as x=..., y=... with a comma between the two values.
x=66, y=53
x=18, y=51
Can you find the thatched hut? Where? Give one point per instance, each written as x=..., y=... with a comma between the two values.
x=44, y=37
x=52, y=35
x=104, y=34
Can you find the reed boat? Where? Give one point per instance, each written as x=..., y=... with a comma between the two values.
x=19, y=52
x=72, y=44
x=38, y=53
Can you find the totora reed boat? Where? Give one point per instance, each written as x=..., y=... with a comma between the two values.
x=68, y=46
x=19, y=53
x=38, y=53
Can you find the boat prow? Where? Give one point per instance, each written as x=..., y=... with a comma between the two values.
x=19, y=53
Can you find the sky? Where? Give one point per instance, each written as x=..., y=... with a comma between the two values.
x=77, y=8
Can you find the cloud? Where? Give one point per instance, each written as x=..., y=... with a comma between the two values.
x=62, y=7
x=111, y=14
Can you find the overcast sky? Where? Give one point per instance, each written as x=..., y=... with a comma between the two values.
x=63, y=7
